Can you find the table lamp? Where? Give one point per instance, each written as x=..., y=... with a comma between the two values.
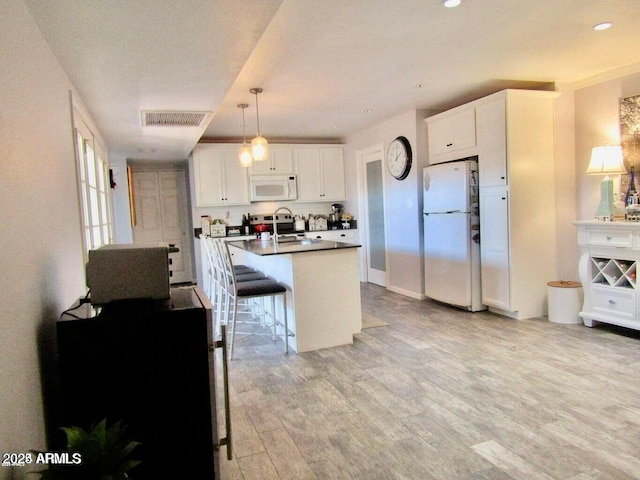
x=606, y=160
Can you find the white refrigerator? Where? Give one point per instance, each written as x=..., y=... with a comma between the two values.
x=452, y=234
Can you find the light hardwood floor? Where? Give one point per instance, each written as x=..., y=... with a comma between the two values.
x=440, y=394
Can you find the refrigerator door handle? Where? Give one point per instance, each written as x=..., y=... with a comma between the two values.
x=443, y=213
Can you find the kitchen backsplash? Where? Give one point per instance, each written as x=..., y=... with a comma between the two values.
x=232, y=215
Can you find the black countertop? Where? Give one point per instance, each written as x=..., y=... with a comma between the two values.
x=268, y=247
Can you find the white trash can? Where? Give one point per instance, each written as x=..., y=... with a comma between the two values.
x=565, y=301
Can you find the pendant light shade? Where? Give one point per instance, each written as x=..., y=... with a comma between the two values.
x=259, y=145
x=244, y=153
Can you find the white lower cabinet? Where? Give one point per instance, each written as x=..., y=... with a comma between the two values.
x=494, y=247
x=608, y=266
x=346, y=236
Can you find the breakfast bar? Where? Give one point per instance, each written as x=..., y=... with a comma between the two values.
x=323, y=287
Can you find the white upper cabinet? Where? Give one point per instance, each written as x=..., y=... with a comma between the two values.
x=451, y=135
x=492, y=135
x=219, y=178
x=280, y=162
x=320, y=171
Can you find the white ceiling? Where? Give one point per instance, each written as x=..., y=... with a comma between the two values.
x=321, y=63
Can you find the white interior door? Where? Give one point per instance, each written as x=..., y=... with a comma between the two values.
x=375, y=219
x=162, y=213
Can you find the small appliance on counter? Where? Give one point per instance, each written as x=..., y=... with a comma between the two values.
x=300, y=224
x=336, y=213
x=129, y=272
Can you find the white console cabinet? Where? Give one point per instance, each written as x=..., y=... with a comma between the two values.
x=610, y=256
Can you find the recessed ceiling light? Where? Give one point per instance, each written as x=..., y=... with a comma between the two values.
x=602, y=26
x=451, y=3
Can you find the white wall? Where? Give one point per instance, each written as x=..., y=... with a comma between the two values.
x=40, y=237
x=403, y=199
x=565, y=184
x=597, y=123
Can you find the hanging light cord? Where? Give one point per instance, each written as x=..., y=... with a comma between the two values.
x=257, y=113
x=256, y=91
x=244, y=130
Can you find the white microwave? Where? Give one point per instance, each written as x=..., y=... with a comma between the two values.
x=267, y=188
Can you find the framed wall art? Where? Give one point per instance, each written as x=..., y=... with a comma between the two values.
x=630, y=131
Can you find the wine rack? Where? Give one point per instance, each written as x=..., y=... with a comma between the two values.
x=609, y=262
x=613, y=272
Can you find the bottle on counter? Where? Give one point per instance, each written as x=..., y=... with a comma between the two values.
x=246, y=223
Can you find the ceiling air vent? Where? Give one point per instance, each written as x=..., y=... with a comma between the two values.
x=168, y=118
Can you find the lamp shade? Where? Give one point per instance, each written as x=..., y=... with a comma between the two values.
x=260, y=148
x=605, y=160
x=245, y=156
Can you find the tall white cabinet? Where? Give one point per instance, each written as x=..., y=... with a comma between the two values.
x=517, y=200
x=512, y=133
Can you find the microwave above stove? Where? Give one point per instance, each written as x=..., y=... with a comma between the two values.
x=269, y=188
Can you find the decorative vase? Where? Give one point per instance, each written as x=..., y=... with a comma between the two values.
x=631, y=191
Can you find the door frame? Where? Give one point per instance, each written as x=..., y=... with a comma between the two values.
x=362, y=210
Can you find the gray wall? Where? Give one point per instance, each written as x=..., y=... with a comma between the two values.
x=40, y=237
x=403, y=199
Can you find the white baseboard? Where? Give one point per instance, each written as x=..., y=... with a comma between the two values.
x=407, y=293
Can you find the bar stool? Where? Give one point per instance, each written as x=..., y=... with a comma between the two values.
x=264, y=288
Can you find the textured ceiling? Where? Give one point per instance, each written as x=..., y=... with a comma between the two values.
x=321, y=63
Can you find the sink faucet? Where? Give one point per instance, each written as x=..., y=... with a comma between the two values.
x=275, y=223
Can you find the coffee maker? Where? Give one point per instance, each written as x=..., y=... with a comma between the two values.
x=336, y=213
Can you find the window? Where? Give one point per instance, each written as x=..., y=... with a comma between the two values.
x=93, y=179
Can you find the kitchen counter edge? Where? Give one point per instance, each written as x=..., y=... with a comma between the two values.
x=264, y=248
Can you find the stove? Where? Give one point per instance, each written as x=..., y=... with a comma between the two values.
x=284, y=220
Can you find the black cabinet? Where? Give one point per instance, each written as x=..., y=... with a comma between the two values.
x=148, y=363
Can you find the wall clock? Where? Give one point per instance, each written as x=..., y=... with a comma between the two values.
x=399, y=158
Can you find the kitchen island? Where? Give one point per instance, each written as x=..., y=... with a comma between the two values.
x=323, y=287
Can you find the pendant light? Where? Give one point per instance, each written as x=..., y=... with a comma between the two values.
x=244, y=153
x=259, y=145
